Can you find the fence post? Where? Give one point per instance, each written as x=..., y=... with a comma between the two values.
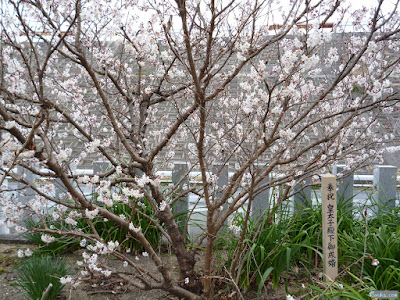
x=260, y=202
x=302, y=196
x=385, y=184
x=346, y=188
x=24, y=192
x=3, y=228
x=221, y=171
x=100, y=166
x=59, y=187
x=181, y=206
x=20, y=186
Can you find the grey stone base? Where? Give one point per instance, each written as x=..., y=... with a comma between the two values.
x=12, y=239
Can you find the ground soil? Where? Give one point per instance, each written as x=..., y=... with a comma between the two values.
x=114, y=289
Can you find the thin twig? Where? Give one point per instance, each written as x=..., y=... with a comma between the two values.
x=46, y=291
x=365, y=242
x=104, y=291
x=346, y=270
x=234, y=283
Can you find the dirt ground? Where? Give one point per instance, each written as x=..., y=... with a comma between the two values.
x=113, y=289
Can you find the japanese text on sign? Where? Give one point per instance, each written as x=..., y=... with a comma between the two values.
x=329, y=226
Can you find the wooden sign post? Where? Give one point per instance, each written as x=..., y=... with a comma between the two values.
x=329, y=227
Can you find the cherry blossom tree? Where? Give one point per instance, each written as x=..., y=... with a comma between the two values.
x=279, y=90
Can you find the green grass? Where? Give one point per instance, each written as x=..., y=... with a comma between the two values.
x=63, y=244
x=107, y=230
x=288, y=246
x=35, y=274
x=284, y=247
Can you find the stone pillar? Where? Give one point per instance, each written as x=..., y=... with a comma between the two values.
x=221, y=171
x=20, y=186
x=100, y=166
x=302, y=196
x=3, y=228
x=261, y=200
x=24, y=193
x=223, y=178
x=59, y=188
x=345, y=191
x=180, y=208
x=385, y=184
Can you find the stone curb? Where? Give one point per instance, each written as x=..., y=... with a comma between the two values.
x=13, y=239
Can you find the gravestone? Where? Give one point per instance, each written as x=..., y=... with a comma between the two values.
x=329, y=227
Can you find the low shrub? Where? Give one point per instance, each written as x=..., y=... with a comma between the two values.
x=36, y=273
x=62, y=244
x=289, y=245
x=107, y=230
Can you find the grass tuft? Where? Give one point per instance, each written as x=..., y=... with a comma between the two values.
x=36, y=273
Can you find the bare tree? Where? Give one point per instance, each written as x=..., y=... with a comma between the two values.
x=208, y=82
